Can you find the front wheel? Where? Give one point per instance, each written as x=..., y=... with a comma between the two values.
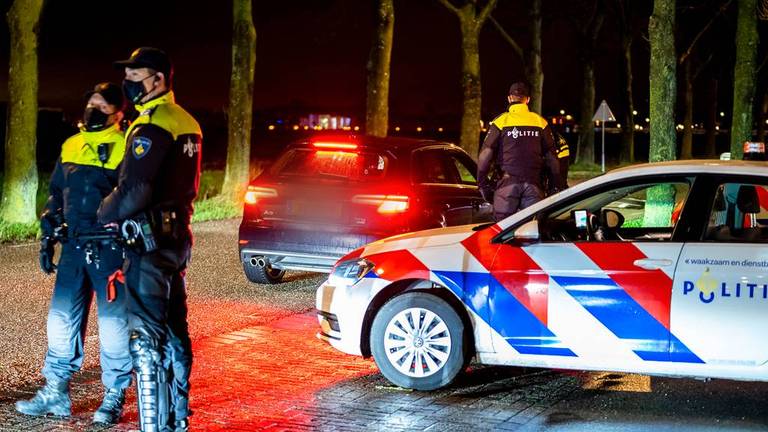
x=417, y=341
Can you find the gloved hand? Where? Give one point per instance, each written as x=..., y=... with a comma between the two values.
x=52, y=223
x=487, y=193
x=46, y=255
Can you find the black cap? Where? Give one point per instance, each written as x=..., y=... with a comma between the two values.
x=148, y=57
x=112, y=93
x=519, y=89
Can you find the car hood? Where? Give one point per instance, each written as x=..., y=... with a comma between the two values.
x=428, y=238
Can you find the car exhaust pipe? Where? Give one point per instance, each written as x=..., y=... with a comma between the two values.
x=258, y=262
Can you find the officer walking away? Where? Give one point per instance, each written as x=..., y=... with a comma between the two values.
x=157, y=184
x=85, y=173
x=522, y=143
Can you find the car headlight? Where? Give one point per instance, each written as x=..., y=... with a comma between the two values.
x=350, y=272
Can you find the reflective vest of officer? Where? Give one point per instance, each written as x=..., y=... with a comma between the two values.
x=162, y=163
x=524, y=143
x=81, y=179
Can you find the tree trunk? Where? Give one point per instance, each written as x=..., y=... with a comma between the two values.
x=686, y=150
x=663, y=81
x=628, y=133
x=533, y=69
x=20, y=182
x=744, y=76
x=470, y=118
x=586, y=144
x=240, y=110
x=710, y=149
x=377, y=103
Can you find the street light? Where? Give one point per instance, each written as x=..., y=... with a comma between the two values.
x=634, y=112
x=562, y=112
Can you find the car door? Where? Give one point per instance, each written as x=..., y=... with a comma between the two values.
x=465, y=170
x=443, y=200
x=721, y=284
x=602, y=297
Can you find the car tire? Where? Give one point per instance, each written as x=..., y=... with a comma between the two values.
x=263, y=275
x=397, y=341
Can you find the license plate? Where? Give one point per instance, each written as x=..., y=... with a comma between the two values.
x=313, y=209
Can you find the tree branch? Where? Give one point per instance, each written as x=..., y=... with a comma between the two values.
x=687, y=52
x=765, y=60
x=486, y=12
x=515, y=46
x=450, y=6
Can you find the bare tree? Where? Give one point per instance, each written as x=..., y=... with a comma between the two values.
x=20, y=182
x=531, y=58
x=377, y=103
x=588, y=24
x=240, y=110
x=663, y=81
x=472, y=17
x=744, y=75
x=690, y=74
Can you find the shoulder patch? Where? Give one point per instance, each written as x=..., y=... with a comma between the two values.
x=140, y=146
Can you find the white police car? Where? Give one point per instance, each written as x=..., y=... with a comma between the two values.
x=656, y=269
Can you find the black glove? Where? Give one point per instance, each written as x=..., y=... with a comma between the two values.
x=46, y=255
x=51, y=223
x=487, y=193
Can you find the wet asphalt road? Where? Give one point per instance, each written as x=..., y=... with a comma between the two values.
x=218, y=291
x=484, y=398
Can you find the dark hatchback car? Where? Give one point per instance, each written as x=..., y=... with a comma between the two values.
x=328, y=195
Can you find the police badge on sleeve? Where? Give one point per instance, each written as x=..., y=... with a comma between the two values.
x=140, y=146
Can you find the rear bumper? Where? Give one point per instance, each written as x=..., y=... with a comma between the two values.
x=299, y=249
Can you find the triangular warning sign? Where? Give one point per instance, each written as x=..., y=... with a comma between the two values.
x=603, y=113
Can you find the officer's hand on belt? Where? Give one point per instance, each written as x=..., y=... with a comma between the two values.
x=46, y=255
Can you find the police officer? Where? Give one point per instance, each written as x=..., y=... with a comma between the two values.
x=563, y=158
x=85, y=173
x=522, y=143
x=158, y=182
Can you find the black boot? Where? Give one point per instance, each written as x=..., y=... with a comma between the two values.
x=53, y=398
x=111, y=407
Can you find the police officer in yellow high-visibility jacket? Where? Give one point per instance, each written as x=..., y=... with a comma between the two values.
x=521, y=143
x=158, y=181
x=85, y=173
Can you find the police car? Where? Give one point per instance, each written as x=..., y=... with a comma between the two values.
x=656, y=269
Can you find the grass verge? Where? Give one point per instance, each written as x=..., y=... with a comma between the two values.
x=215, y=208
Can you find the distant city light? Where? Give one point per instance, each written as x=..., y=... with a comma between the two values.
x=357, y=128
x=397, y=128
x=618, y=125
x=306, y=127
x=717, y=127
x=568, y=117
x=680, y=127
x=562, y=112
x=441, y=129
x=647, y=120
x=271, y=127
x=295, y=127
x=418, y=129
x=634, y=112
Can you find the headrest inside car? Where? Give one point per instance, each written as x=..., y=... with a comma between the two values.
x=747, y=200
x=720, y=201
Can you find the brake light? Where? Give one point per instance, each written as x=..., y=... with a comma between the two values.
x=254, y=193
x=335, y=145
x=387, y=204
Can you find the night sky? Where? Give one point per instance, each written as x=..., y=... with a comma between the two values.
x=311, y=54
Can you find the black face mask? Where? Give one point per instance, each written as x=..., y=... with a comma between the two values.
x=134, y=90
x=94, y=119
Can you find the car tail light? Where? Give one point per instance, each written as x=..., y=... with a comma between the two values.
x=255, y=193
x=335, y=145
x=387, y=204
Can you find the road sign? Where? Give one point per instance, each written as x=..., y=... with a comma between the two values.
x=603, y=114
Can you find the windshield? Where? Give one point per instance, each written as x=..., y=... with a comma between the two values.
x=342, y=165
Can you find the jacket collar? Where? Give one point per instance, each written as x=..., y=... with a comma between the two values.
x=166, y=98
x=518, y=107
x=99, y=136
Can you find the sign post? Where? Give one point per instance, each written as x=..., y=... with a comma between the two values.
x=603, y=114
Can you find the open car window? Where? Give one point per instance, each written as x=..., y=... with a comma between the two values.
x=647, y=211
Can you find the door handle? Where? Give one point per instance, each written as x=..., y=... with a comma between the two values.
x=653, y=264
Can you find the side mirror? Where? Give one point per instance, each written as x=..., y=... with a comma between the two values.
x=527, y=231
x=612, y=219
